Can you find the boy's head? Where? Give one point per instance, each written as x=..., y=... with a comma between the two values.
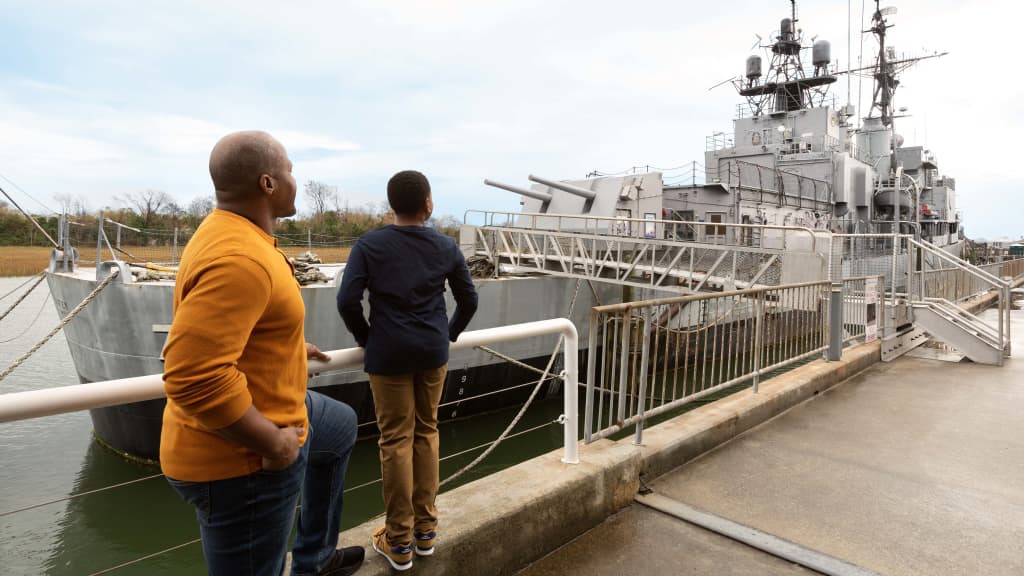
x=409, y=194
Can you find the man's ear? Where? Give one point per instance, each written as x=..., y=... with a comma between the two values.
x=267, y=184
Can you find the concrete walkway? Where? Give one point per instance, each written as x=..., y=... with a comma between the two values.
x=912, y=467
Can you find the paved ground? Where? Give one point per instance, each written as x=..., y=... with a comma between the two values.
x=913, y=467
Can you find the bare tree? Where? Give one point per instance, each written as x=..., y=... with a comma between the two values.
x=65, y=201
x=147, y=203
x=200, y=207
x=73, y=205
x=174, y=210
x=320, y=196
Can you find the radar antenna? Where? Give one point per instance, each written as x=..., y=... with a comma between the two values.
x=787, y=86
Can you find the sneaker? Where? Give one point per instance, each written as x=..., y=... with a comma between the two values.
x=400, y=557
x=344, y=562
x=424, y=542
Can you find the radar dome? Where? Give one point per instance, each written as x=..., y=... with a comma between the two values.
x=822, y=53
x=753, y=67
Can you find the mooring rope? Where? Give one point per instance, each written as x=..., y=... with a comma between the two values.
x=67, y=319
x=299, y=507
x=147, y=557
x=79, y=494
x=30, y=324
x=545, y=376
x=522, y=411
x=23, y=296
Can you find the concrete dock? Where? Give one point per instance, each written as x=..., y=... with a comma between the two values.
x=910, y=467
x=854, y=467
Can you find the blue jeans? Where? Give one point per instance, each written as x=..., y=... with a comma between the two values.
x=245, y=522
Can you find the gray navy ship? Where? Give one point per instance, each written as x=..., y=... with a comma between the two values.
x=796, y=171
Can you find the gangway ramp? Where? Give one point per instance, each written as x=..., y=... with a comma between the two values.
x=648, y=253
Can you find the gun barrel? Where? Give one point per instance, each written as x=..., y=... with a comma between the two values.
x=581, y=192
x=535, y=194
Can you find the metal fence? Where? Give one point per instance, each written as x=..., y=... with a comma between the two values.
x=1005, y=269
x=940, y=275
x=647, y=358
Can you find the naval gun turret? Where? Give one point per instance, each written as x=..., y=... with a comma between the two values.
x=603, y=204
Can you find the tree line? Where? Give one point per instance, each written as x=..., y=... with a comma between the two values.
x=160, y=216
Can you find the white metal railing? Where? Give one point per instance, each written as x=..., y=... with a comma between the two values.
x=636, y=228
x=651, y=357
x=923, y=287
x=37, y=403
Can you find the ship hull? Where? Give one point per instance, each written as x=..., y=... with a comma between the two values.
x=133, y=430
x=122, y=332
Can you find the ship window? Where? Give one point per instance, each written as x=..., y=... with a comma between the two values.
x=716, y=218
x=621, y=227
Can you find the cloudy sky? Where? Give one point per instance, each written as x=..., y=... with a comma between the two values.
x=99, y=99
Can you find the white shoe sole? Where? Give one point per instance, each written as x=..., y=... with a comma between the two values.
x=395, y=565
x=422, y=552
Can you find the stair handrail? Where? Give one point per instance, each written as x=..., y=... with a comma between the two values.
x=958, y=262
x=1000, y=284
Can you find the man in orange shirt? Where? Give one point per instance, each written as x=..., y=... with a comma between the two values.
x=242, y=437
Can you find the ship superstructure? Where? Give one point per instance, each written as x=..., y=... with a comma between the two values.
x=794, y=158
x=779, y=193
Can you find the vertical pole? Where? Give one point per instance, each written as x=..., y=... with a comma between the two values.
x=588, y=416
x=892, y=283
x=174, y=250
x=99, y=243
x=835, y=322
x=62, y=241
x=624, y=363
x=309, y=240
x=571, y=406
x=1003, y=308
x=758, y=337
x=641, y=408
x=1009, y=306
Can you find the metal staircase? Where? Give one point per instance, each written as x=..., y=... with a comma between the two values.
x=937, y=282
x=960, y=329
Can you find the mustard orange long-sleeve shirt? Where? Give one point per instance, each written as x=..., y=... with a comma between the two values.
x=236, y=340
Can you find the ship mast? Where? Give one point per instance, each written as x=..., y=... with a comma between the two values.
x=787, y=86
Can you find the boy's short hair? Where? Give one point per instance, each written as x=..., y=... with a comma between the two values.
x=408, y=191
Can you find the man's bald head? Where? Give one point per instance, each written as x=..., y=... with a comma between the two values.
x=239, y=160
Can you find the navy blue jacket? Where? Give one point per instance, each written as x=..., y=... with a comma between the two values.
x=405, y=268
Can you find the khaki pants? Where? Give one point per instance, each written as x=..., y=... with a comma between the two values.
x=406, y=406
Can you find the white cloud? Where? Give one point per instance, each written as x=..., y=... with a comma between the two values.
x=137, y=94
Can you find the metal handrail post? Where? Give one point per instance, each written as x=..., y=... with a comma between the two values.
x=758, y=339
x=99, y=240
x=588, y=410
x=835, y=320
x=624, y=364
x=642, y=400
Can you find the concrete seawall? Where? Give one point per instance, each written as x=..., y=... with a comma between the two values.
x=500, y=524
